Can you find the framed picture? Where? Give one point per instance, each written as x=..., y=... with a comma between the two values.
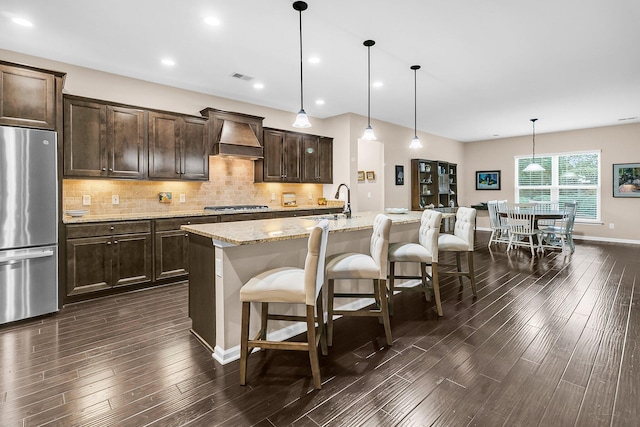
x=360, y=175
x=487, y=180
x=371, y=175
x=626, y=180
x=399, y=175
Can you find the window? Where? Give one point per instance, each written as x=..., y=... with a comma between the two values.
x=566, y=177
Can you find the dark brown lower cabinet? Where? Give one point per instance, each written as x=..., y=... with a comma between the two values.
x=108, y=255
x=172, y=247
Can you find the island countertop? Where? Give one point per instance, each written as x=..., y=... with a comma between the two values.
x=271, y=230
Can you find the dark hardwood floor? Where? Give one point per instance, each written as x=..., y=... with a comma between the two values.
x=552, y=341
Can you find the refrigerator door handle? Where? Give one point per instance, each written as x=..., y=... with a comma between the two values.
x=10, y=259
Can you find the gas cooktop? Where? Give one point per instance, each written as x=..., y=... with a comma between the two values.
x=236, y=207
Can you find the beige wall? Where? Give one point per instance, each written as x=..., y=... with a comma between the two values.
x=619, y=144
x=230, y=182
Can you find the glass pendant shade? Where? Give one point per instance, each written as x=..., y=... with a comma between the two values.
x=368, y=134
x=302, y=120
x=415, y=143
x=533, y=166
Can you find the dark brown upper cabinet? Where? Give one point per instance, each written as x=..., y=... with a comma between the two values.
x=295, y=157
x=30, y=97
x=317, y=159
x=281, y=161
x=102, y=140
x=178, y=147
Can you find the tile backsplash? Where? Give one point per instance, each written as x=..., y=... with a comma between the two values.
x=230, y=183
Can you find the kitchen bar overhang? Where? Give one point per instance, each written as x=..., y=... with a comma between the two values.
x=224, y=256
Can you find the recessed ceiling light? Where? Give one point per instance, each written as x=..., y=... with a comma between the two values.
x=377, y=84
x=168, y=62
x=22, y=21
x=319, y=101
x=258, y=86
x=212, y=20
x=314, y=60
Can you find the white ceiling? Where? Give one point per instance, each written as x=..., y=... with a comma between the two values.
x=488, y=66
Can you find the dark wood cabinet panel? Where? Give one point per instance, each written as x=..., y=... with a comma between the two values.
x=295, y=157
x=102, y=140
x=29, y=97
x=88, y=265
x=126, y=142
x=178, y=147
x=317, y=159
x=85, y=147
x=281, y=161
x=291, y=157
x=195, y=157
x=273, y=155
x=106, y=259
x=132, y=259
x=164, y=146
x=171, y=246
x=325, y=160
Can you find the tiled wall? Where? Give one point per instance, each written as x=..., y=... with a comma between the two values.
x=230, y=183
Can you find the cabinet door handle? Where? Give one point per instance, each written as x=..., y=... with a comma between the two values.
x=111, y=228
x=110, y=169
x=186, y=235
x=104, y=169
x=108, y=243
x=115, y=243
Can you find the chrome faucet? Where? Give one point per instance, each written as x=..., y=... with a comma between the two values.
x=347, y=206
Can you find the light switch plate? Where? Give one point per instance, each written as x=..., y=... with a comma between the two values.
x=86, y=200
x=183, y=198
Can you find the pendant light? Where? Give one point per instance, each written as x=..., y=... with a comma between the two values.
x=368, y=132
x=302, y=121
x=415, y=142
x=533, y=166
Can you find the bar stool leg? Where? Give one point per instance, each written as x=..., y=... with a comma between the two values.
x=392, y=270
x=313, y=350
x=321, y=329
x=472, y=274
x=244, y=342
x=382, y=288
x=330, y=312
x=436, y=288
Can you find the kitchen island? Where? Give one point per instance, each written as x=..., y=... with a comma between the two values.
x=224, y=256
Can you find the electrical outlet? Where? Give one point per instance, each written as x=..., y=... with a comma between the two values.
x=368, y=194
x=115, y=199
x=183, y=198
x=86, y=200
x=273, y=197
x=310, y=196
x=611, y=226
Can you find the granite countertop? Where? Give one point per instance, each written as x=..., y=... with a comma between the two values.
x=179, y=214
x=269, y=230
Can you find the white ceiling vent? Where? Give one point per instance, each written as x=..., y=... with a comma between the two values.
x=241, y=77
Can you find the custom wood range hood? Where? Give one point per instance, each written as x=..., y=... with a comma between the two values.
x=234, y=134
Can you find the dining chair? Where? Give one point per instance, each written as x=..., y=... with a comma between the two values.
x=289, y=285
x=561, y=235
x=461, y=241
x=355, y=266
x=545, y=207
x=499, y=227
x=424, y=252
x=521, y=220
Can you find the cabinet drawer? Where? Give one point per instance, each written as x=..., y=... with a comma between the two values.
x=175, y=223
x=289, y=214
x=107, y=228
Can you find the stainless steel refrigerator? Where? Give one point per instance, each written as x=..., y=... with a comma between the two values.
x=28, y=223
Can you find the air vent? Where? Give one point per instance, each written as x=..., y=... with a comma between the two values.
x=241, y=77
x=627, y=118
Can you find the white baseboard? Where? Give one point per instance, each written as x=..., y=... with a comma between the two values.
x=589, y=238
